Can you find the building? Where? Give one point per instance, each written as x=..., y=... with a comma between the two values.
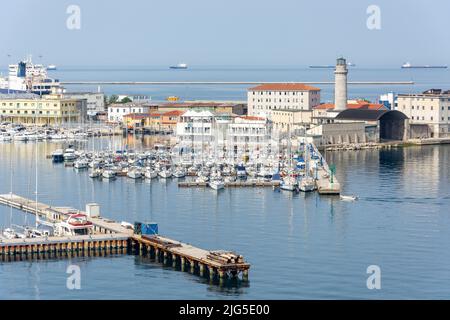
x=136, y=98
x=204, y=133
x=293, y=120
x=116, y=111
x=340, y=84
x=170, y=119
x=389, y=100
x=50, y=109
x=231, y=107
x=429, y=113
x=326, y=112
x=262, y=99
x=95, y=101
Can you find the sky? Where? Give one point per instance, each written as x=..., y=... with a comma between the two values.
x=225, y=32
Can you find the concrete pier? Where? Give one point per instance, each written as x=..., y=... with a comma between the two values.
x=110, y=237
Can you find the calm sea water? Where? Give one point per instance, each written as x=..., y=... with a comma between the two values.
x=423, y=78
x=300, y=246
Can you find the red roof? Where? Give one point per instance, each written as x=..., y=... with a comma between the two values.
x=173, y=113
x=359, y=105
x=284, y=87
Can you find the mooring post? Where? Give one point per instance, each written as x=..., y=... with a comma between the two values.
x=174, y=260
x=183, y=263
x=245, y=275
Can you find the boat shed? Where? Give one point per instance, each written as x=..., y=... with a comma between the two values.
x=388, y=124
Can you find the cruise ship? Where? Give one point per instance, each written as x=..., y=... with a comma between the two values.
x=26, y=76
x=408, y=65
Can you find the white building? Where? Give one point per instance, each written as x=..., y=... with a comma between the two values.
x=136, y=98
x=95, y=101
x=207, y=134
x=118, y=110
x=431, y=109
x=264, y=98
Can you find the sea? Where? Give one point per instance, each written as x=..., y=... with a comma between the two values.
x=300, y=246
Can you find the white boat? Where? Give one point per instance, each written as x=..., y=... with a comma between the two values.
x=69, y=154
x=20, y=137
x=179, y=66
x=289, y=184
x=127, y=225
x=5, y=137
x=51, y=67
x=217, y=184
x=165, y=173
x=76, y=225
x=95, y=173
x=9, y=233
x=151, y=174
x=134, y=174
x=307, y=184
x=179, y=173
x=109, y=174
x=348, y=198
x=201, y=179
x=81, y=164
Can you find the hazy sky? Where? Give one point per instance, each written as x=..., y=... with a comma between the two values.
x=226, y=32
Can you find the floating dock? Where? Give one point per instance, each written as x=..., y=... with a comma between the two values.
x=110, y=237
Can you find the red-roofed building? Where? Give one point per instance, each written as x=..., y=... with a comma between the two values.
x=264, y=98
x=325, y=113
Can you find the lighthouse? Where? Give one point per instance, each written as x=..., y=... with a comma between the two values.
x=340, y=85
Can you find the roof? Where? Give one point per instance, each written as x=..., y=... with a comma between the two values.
x=369, y=114
x=197, y=104
x=136, y=115
x=358, y=105
x=173, y=113
x=284, y=87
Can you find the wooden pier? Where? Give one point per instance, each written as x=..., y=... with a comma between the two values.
x=110, y=237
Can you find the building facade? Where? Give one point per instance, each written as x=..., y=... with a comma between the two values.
x=262, y=99
x=50, y=109
x=95, y=101
x=117, y=111
x=430, y=109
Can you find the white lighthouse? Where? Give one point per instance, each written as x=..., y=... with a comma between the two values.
x=340, y=85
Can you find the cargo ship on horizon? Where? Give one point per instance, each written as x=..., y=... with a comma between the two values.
x=408, y=65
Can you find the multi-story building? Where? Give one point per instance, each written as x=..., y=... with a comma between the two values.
x=430, y=109
x=95, y=101
x=50, y=109
x=205, y=133
x=264, y=98
x=284, y=120
x=116, y=111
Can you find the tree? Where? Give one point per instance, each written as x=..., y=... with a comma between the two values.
x=113, y=99
x=126, y=100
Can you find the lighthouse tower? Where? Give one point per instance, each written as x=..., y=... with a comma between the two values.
x=340, y=85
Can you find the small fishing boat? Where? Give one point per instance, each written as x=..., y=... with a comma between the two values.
x=109, y=174
x=217, y=184
x=166, y=173
x=288, y=183
x=134, y=174
x=151, y=174
x=348, y=198
x=9, y=233
x=81, y=164
x=307, y=184
x=179, y=173
x=95, y=173
x=58, y=155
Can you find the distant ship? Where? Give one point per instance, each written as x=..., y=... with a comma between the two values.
x=51, y=67
x=179, y=66
x=408, y=65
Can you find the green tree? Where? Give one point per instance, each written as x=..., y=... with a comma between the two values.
x=113, y=99
x=126, y=100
